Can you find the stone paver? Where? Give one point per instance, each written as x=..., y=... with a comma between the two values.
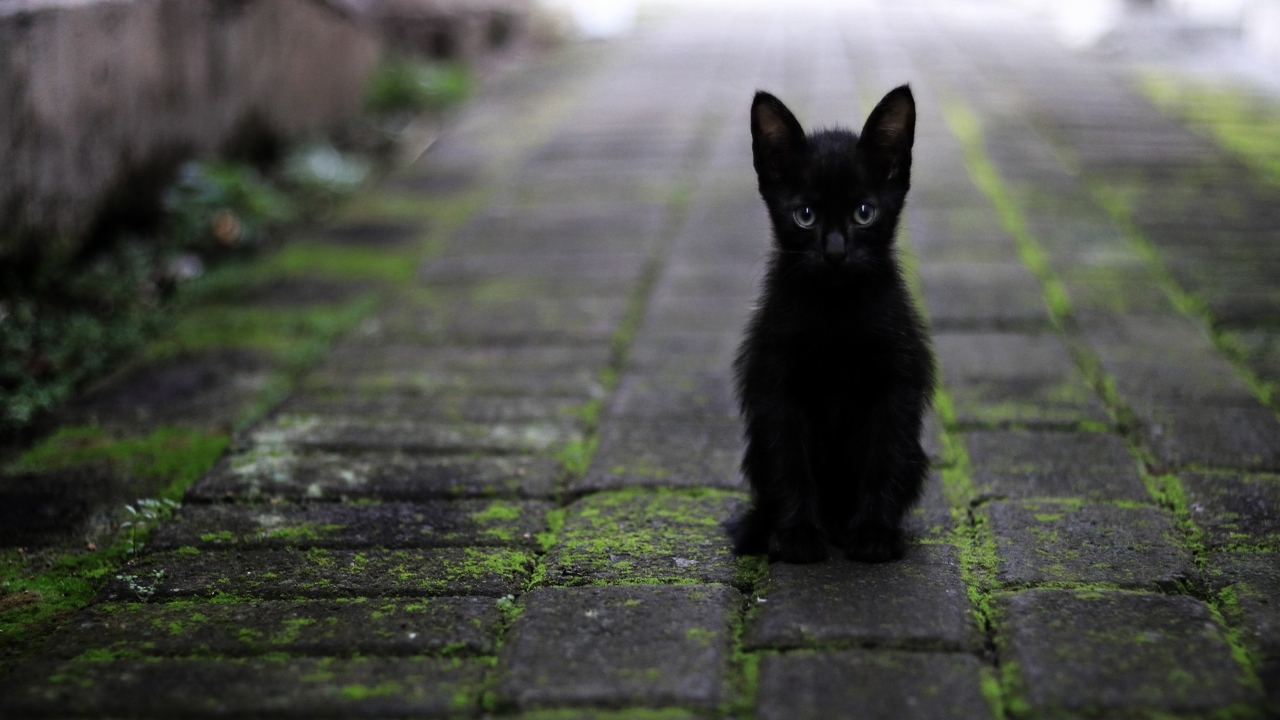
x=1022, y=464
x=501, y=493
x=1067, y=542
x=1100, y=653
x=872, y=685
x=919, y=602
x=618, y=646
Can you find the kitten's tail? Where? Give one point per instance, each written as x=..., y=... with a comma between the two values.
x=750, y=532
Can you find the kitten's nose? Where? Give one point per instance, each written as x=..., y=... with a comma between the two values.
x=833, y=248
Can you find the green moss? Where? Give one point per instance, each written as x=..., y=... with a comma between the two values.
x=576, y=455
x=176, y=455
x=364, y=692
x=497, y=511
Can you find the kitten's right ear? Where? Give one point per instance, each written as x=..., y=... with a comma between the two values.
x=778, y=144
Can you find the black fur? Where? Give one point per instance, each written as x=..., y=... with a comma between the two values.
x=835, y=371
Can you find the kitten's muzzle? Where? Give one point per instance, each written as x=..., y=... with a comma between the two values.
x=833, y=248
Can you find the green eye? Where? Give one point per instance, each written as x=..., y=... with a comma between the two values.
x=865, y=214
x=805, y=217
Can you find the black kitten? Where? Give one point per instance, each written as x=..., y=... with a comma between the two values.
x=835, y=370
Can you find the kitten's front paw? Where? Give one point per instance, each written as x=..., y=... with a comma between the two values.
x=875, y=543
x=798, y=545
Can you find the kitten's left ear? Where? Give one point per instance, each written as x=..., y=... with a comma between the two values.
x=890, y=132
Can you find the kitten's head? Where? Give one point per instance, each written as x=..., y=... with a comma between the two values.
x=834, y=197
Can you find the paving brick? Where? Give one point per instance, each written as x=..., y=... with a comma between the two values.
x=918, y=602
x=1234, y=509
x=645, y=536
x=490, y=406
x=1076, y=651
x=1070, y=542
x=1003, y=379
x=398, y=358
x=509, y=321
x=983, y=296
x=617, y=270
x=676, y=394
x=1023, y=464
x=425, y=626
x=220, y=688
x=359, y=434
x=457, y=523
x=1250, y=585
x=1164, y=360
x=877, y=685
x=1200, y=435
x=280, y=472
x=619, y=646
x=632, y=454
x=320, y=573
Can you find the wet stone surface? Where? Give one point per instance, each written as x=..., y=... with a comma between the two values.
x=1235, y=509
x=645, y=536
x=458, y=523
x=1022, y=464
x=619, y=646
x=281, y=473
x=320, y=573
x=1003, y=379
x=1075, y=652
x=665, y=455
x=1131, y=547
x=213, y=688
x=424, y=626
x=884, y=685
x=917, y=603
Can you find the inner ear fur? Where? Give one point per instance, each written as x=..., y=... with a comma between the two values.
x=778, y=143
x=890, y=130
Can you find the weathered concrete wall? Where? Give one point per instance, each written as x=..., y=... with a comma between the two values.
x=93, y=91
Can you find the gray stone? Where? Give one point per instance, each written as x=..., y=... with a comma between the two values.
x=651, y=536
x=487, y=406
x=931, y=517
x=1071, y=542
x=444, y=625
x=676, y=395
x=617, y=270
x=1248, y=584
x=371, y=233
x=360, y=434
x=1118, y=654
x=983, y=296
x=876, y=685
x=1235, y=509
x=1006, y=379
x=1201, y=435
x=455, y=523
x=267, y=472
x=575, y=319
x=915, y=603
x=219, y=387
x=238, y=688
x=619, y=646
x=320, y=573
x=1022, y=464
x=633, y=454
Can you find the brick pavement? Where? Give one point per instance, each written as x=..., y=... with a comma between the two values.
x=502, y=494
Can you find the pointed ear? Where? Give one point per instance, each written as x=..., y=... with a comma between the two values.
x=890, y=132
x=778, y=144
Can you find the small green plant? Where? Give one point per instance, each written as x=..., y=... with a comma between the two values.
x=66, y=322
x=143, y=586
x=403, y=86
x=216, y=207
x=144, y=515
